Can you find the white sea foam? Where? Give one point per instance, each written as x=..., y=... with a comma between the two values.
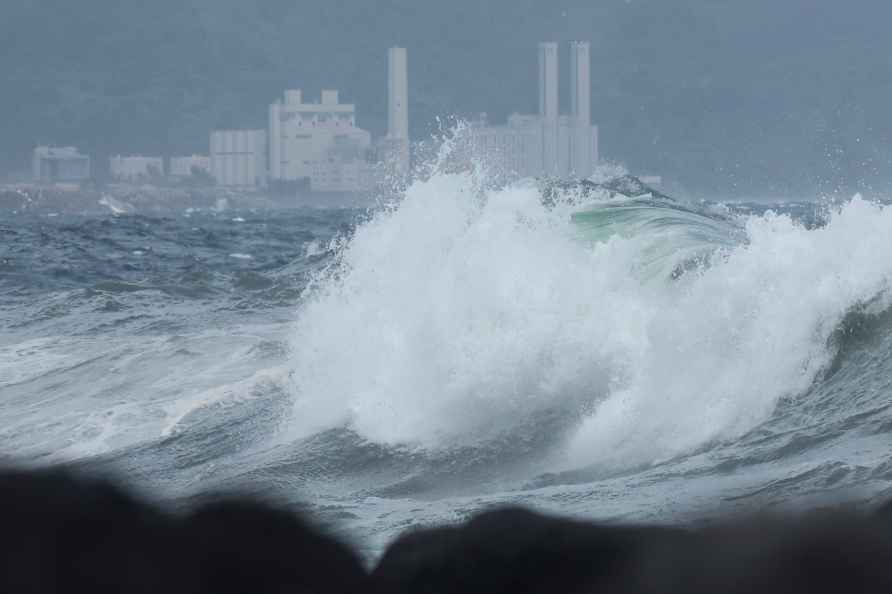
x=463, y=313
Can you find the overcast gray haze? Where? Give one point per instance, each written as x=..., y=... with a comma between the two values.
x=742, y=98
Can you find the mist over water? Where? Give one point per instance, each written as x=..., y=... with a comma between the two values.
x=464, y=346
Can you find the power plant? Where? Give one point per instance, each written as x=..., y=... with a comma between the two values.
x=320, y=145
x=316, y=145
x=548, y=144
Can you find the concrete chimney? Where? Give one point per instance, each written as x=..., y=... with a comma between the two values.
x=398, y=105
x=274, y=138
x=548, y=105
x=581, y=160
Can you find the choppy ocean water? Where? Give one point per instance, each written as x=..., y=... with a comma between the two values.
x=621, y=359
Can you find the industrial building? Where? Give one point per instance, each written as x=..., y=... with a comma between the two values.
x=60, y=164
x=135, y=168
x=547, y=144
x=187, y=166
x=238, y=157
x=318, y=142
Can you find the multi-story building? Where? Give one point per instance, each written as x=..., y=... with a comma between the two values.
x=238, y=157
x=52, y=164
x=506, y=152
x=320, y=143
x=314, y=144
x=135, y=168
x=187, y=166
x=317, y=142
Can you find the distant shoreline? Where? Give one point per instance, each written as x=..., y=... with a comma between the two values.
x=122, y=200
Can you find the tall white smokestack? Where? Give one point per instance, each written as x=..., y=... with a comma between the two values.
x=581, y=108
x=398, y=106
x=548, y=105
x=275, y=141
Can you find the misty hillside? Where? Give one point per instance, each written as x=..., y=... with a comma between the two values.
x=748, y=97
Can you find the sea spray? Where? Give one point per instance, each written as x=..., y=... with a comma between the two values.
x=462, y=313
x=728, y=343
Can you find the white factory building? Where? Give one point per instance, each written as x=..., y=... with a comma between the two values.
x=135, y=168
x=317, y=143
x=547, y=144
x=238, y=157
x=186, y=166
x=52, y=164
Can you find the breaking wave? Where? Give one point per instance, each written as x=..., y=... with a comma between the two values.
x=637, y=329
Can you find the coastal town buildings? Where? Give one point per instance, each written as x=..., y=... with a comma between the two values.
x=51, y=164
x=317, y=144
x=135, y=168
x=187, y=166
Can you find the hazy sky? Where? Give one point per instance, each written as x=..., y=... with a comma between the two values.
x=751, y=96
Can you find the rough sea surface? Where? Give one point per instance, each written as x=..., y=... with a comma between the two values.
x=618, y=359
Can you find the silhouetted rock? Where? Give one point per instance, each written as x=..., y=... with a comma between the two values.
x=63, y=533
x=512, y=550
x=247, y=547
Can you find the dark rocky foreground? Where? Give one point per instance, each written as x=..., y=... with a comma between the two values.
x=66, y=533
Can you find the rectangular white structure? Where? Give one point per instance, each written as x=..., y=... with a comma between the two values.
x=342, y=175
x=398, y=107
x=52, y=164
x=507, y=152
x=316, y=142
x=238, y=157
x=135, y=168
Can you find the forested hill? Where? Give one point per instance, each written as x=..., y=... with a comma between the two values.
x=746, y=98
